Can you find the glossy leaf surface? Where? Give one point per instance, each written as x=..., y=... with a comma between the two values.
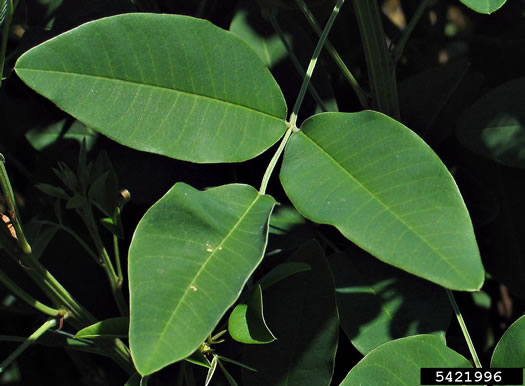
x=494, y=126
x=246, y=323
x=510, y=350
x=484, y=6
x=190, y=256
x=136, y=79
x=301, y=312
x=378, y=303
x=385, y=190
x=399, y=362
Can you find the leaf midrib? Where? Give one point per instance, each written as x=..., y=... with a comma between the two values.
x=441, y=256
x=138, y=84
x=201, y=269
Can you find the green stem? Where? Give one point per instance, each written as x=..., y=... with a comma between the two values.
x=24, y=296
x=113, y=279
x=463, y=326
x=5, y=37
x=11, y=206
x=379, y=61
x=295, y=61
x=120, y=276
x=400, y=47
x=313, y=62
x=34, y=336
x=363, y=99
x=273, y=161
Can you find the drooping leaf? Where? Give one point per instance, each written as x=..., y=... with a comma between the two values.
x=190, y=256
x=108, y=328
x=378, y=303
x=134, y=380
x=494, y=126
x=400, y=361
x=302, y=314
x=198, y=358
x=387, y=191
x=136, y=79
x=246, y=323
x=510, y=350
x=484, y=6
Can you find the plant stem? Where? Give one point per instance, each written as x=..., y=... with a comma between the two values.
x=11, y=206
x=313, y=62
x=273, y=161
x=5, y=36
x=295, y=61
x=24, y=296
x=380, y=65
x=463, y=326
x=363, y=99
x=32, y=338
x=400, y=47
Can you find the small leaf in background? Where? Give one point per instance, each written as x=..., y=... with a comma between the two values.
x=385, y=190
x=494, y=126
x=198, y=358
x=111, y=74
x=399, y=362
x=378, y=303
x=134, y=380
x=510, y=350
x=246, y=323
x=263, y=40
x=484, y=6
x=61, y=130
x=38, y=237
x=108, y=328
x=302, y=314
x=53, y=191
x=189, y=259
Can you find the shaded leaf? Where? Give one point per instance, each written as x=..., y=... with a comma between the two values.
x=281, y=272
x=510, y=350
x=378, y=303
x=400, y=361
x=41, y=138
x=53, y=191
x=246, y=323
x=494, y=126
x=484, y=6
x=111, y=74
x=198, y=358
x=190, y=256
x=385, y=190
x=109, y=328
x=302, y=314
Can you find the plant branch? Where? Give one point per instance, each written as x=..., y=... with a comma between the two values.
x=380, y=65
x=273, y=161
x=363, y=99
x=24, y=296
x=463, y=326
x=5, y=37
x=294, y=59
x=32, y=338
x=313, y=62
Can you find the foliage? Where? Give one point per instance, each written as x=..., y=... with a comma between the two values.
x=341, y=274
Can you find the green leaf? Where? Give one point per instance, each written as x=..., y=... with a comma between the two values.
x=41, y=138
x=266, y=43
x=246, y=323
x=134, y=380
x=385, y=190
x=53, y=191
x=288, y=230
x=3, y=12
x=281, y=272
x=399, y=362
x=510, y=350
x=494, y=125
x=109, y=328
x=378, y=303
x=166, y=84
x=302, y=314
x=190, y=256
x=198, y=358
x=484, y=6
